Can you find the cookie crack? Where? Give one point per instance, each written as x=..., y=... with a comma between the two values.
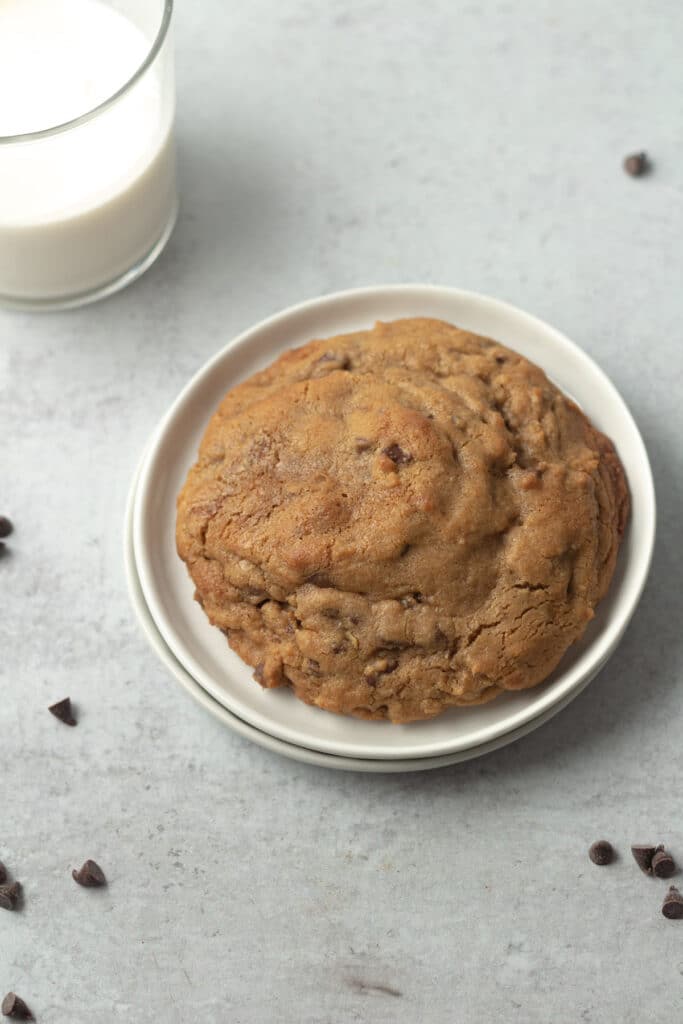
x=479, y=630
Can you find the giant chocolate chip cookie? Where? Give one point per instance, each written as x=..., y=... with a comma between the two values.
x=401, y=520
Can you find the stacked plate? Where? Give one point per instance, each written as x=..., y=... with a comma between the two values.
x=198, y=656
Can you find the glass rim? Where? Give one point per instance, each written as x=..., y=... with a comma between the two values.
x=74, y=122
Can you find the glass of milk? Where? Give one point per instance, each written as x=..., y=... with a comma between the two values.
x=87, y=168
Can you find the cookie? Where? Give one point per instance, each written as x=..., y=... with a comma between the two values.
x=401, y=520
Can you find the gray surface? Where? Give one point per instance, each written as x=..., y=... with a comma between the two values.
x=478, y=145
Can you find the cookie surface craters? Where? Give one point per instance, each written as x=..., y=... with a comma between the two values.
x=401, y=520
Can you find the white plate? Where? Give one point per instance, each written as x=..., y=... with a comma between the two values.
x=303, y=754
x=203, y=650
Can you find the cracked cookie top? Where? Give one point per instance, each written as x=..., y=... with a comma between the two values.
x=400, y=520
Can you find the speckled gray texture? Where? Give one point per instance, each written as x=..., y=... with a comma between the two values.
x=477, y=145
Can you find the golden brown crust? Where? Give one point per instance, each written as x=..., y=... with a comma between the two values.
x=400, y=520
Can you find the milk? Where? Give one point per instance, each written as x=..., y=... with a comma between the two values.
x=82, y=207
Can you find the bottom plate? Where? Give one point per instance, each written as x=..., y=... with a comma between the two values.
x=202, y=649
x=263, y=739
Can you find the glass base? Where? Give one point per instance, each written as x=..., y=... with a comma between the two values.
x=101, y=292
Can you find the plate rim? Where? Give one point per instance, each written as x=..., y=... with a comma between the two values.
x=604, y=644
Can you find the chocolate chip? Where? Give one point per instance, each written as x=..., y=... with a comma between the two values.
x=90, y=875
x=643, y=857
x=5, y=526
x=320, y=579
x=601, y=852
x=636, y=164
x=397, y=455
x=330, y=361
x=10, y=895
x=663, y=864
x=341, y=360
x=62, y=710
x=363, y=444
x=3, y=873
x=14, y=1006
x=672, y=907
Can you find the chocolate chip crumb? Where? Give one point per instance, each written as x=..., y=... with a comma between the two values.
x=14, y=1006
x=663, y=864
x=636, y=164
x=397, y=455
x=10, y=895
x=3, y=873
x=90, y=875
x=601, y=852
x=63, y=711
x=5, y=526
x=672, y=907
x=643, y=857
